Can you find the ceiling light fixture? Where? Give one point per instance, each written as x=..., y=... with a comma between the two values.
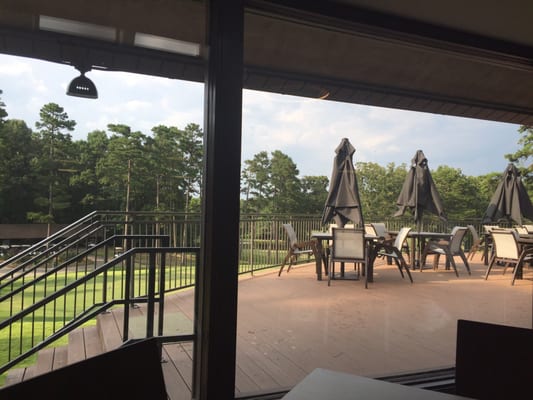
x=82, y=86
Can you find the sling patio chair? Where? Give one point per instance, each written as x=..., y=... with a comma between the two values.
x=508, y=252
x=392, y=249
x=478, y=243
x=296, y=248
x=348, y=246
x=382, y=231
x=449, y=248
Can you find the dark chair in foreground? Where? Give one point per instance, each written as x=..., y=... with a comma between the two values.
x=129, y=372
x=493, y=361
x=296, y=248
x=392, y=248
x=507, y=252
x=348, y=246
x=449, y=248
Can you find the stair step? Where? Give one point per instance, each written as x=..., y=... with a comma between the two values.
x=60, y=357
x=109, y=331
x=84, y=343
x=76, y=346
x=93, y=343
x=15, y=376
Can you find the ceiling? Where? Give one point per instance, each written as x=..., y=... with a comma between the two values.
x=471, y=59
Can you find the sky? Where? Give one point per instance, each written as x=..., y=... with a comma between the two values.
x=307, y=130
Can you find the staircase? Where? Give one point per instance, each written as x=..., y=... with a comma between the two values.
x=83, y=342
x=89, y=341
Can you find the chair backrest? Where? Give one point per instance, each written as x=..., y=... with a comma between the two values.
x=505, y=243
x=458, y=233
x=348, y=244
x=521, y=230
x=529, y=228
x=380, y=228
x=347, y=226
x=293, y=240
x=369, y=230
x=475, y=235
x=489, y=228
x=400, y=238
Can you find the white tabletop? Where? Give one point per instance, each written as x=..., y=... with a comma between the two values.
x=323, y=384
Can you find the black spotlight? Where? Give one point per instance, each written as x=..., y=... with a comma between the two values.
x=82, y=87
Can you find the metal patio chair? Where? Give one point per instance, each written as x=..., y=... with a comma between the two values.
x=348, y=246
x=478, y=243
x=508, y=252
x=392, y=249
x=296, y=248
x=449, y=248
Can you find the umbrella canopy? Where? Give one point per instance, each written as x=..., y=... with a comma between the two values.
x=419, y=192
x=343, y=203
x=510, y=200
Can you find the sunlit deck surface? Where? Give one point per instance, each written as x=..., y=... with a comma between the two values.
x=292, y=324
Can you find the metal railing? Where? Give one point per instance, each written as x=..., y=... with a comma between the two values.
x=115, y=258
x=63, y=298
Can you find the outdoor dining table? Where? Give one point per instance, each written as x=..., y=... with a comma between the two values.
x=321, y=258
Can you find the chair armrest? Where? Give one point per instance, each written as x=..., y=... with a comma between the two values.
x=306, y=244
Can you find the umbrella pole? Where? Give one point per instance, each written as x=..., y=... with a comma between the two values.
x=418, y=245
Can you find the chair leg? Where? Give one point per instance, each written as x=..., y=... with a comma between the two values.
x=449, y=257
x=465, y=261
x=491, y=263
x=292, y=261
x=518, y=269
x=283, y=264
x=399, y=266
x=402, y=265
x=288, y=258
x=365, y=272
x=331, y=271
x=408, y=273
x=472, y=252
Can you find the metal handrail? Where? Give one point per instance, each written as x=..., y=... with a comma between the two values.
x=49, y=239
x=154, y=295
x=68, y=262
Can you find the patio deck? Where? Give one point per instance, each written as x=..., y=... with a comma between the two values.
x=292, y=324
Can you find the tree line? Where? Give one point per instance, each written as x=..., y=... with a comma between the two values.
x=46, y=176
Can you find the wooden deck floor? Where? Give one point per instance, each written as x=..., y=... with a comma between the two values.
x=292, y=324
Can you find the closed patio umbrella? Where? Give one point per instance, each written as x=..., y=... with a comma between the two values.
x=419, y=193
x=343, y=204
x=510, y=200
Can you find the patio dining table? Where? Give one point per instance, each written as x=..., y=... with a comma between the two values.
x=321, y=258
